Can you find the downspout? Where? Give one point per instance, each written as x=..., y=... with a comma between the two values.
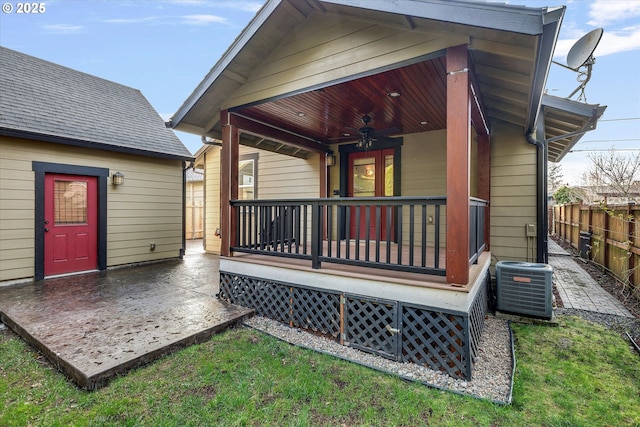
x=551, y=20
x=541, y=195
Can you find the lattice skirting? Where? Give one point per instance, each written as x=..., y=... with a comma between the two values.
x=439, y=339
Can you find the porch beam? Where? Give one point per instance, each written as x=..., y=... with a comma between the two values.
x=484, y=181
x=458, y=164
x=229, y=157
x=261, y=129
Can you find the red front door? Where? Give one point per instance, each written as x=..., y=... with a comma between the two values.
x=70, y=224
x=371, y=175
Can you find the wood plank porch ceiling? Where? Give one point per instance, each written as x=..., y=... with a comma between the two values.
x=334, y=114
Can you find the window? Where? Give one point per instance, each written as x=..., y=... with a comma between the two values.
x=248, y=177
x=70, y=202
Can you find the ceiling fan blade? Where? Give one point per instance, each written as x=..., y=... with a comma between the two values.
x=344, y=138
x=387, y=131
x=379, y=139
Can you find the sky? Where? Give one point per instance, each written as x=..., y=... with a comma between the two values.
x=164, y=48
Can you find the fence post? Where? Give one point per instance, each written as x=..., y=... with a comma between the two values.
x=628, y=233
x=605, y=240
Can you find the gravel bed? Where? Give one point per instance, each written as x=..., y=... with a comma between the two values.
x=492, y=372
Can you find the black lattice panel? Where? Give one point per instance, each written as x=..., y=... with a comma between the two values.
x=441, y=341
x=230, y=286
x=476, y=318
x=435, y=340
x=367, y=323
x=268, y=299
x=317, y=311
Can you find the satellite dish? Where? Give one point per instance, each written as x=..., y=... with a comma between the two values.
x=582, y=50
x=581, y=55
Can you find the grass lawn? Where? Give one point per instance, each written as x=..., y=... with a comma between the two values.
x=572, y=375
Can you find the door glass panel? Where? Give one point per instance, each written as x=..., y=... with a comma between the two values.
x=70, y=202
x=364, y=177
x=388, y=175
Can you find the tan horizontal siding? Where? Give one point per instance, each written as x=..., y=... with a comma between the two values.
x=15, y=244
x=329, y=48
x=424, y=173
x=146, y=208
x=16, y=211
x=17, y=233
x=19, y=268
x=513, y=192
x=134, y=255
x=14, y=196
x=14, y=258
x=424, y=164
x=129, y=229
x=281, y=177
x=163, y=243
x=212, y=199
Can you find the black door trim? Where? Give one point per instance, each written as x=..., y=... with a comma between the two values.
x=42, y=168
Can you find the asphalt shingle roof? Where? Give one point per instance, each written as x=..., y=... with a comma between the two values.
x=46, y=101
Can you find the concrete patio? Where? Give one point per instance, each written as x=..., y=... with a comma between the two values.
x=98, y=325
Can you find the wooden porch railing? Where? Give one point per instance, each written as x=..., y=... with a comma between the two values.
x=477, y=242
x=402, y=233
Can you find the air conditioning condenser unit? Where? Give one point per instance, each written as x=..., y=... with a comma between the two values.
x=524, y=288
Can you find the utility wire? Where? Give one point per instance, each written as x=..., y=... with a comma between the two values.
x=605, y=149
x=611, y=140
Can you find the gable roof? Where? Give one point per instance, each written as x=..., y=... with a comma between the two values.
x=504, y=37
x=44, y=101
x=511, y=49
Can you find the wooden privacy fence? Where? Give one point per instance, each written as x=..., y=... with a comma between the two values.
x=607, y=235
x=194, y=216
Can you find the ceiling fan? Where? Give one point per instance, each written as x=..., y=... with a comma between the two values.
x=368, y=134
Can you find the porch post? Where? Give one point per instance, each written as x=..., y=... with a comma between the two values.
x=324, y=173
x=484, y=181
x=228, y=182
x=458, y=166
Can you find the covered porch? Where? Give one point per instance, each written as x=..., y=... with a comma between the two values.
x=381, y=236
x=384, y=228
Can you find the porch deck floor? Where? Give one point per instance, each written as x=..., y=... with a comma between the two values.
x=98, y=325
x=393, y=276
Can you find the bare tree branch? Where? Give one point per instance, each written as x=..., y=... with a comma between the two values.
x=618, y=172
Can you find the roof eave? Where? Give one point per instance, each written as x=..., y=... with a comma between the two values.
x=552, y=20
x=590, y=113
x=89, y=144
